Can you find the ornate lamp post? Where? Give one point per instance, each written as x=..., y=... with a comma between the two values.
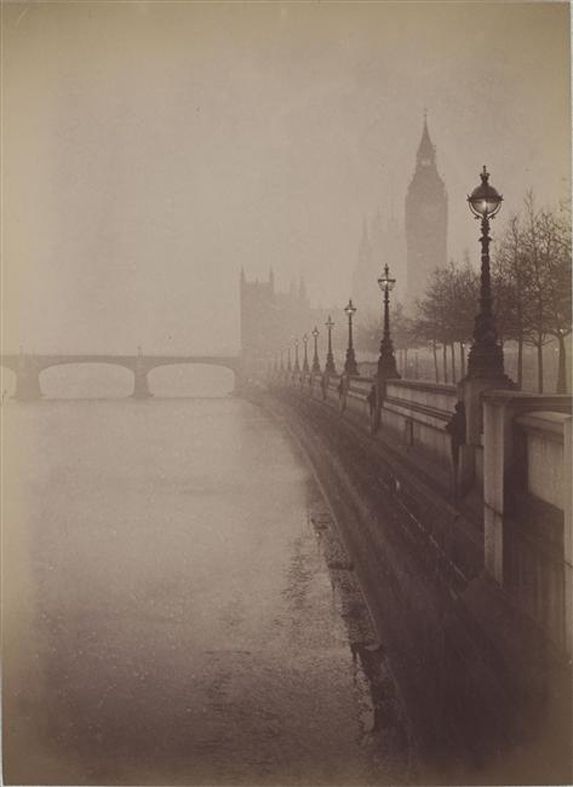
x=485, y=359
x=330, y=368
x=296, y=363
x=386, y=361
x=315, y=362
x=350, y=367
x=305, y=366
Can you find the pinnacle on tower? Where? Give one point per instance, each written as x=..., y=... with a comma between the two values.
x=426, y=151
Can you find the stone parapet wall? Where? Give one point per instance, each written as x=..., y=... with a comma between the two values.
x=527, y=512
x=543, y=436
x=414, y=413
x=417, y=414
x=437, y=396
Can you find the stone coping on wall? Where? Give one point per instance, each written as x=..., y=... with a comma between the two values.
x=547, y=423
x=522, y=400
x=430, y=416
x=420, y=385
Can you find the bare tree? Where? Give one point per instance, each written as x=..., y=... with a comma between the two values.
x=445, y=314
x=555, y=229
x=510, y=272
x=546, y=240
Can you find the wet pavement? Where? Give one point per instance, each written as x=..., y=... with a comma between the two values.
x=179, y=608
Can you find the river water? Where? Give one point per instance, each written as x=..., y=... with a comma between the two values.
x=173, y=612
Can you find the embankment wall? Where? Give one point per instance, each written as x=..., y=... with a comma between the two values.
x=476, y=676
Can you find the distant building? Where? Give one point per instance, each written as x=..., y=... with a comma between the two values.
x=270, y=321
x=382, y=242
x=426, y=221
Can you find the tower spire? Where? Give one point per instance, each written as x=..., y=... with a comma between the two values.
x=426, y=155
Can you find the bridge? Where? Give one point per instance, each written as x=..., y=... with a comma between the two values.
x=28, y=368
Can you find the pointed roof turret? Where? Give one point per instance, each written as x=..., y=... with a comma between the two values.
x=426, y=155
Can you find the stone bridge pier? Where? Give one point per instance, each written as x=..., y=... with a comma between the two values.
x=141, y=384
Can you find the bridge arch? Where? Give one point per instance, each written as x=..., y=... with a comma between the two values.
x=86, y=379
x=28, y=369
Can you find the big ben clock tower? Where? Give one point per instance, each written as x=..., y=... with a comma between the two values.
x=426, y=221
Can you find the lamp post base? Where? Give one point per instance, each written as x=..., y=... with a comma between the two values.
x=350, y=366
x=485, y=362
x=387, y=368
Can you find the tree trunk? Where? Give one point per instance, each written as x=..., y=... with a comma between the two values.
x=561, y=367
x=462, y=361
x=453, y=363
x=405, y=361
x=445, y=361
x=520, y=362
x=540, y=367
x=435, y=353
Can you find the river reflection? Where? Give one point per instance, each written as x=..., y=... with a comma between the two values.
x=178, y=608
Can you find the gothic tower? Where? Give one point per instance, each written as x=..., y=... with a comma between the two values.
x=426, y=220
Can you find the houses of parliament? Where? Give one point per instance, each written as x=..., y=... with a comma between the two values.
x=270, y=319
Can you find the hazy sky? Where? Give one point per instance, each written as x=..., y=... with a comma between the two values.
x=152, y=149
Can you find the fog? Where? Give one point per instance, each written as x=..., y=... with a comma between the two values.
x=153, y=149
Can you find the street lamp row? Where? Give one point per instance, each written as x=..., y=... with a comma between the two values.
x=386, y=363
x=485, y=360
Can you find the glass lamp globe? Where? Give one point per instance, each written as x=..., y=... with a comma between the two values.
x=384, y=280
x=484, y=201
x=350, y=308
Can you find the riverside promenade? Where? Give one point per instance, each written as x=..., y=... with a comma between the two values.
x=478, y=676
